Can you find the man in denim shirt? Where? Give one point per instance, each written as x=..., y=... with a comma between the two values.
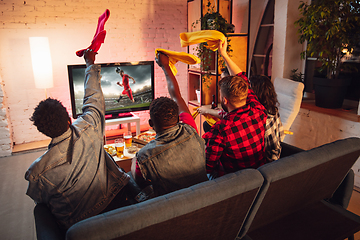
x=176, y=158
x=76, y=178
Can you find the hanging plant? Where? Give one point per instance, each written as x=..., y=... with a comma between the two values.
x=212, y=20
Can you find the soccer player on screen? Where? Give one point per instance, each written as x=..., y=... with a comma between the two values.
x=125, y=84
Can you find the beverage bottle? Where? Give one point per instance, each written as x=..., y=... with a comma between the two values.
x=213, y=103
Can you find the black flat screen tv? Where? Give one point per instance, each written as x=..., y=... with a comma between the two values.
x=120, y=100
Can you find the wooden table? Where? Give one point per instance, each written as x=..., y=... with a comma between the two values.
x=125, y=162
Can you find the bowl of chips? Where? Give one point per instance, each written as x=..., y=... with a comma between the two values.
x=110, y=150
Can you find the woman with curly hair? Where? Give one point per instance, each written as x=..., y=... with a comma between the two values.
x=265, y=91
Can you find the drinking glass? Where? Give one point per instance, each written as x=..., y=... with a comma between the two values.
x=119, y=146
x=128, y=139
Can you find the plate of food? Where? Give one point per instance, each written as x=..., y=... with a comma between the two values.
x=145, y=137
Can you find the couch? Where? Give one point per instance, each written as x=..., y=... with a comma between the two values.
x=290, y=198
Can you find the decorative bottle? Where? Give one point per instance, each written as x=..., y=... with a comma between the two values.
x=213, y=103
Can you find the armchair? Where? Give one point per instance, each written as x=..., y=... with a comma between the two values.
x=289, y=94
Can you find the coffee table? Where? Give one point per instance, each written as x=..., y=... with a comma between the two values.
x=125, y=162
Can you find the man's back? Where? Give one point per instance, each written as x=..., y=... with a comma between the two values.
x=174, y=160
x=237, y=140
x=75, y=178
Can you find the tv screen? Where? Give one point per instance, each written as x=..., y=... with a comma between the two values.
x=127, y=87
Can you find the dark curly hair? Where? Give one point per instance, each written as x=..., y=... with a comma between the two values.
x=50, y=117
x=265, y=91
x=164, y=112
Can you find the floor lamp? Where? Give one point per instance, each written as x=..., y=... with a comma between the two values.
x=41, y=62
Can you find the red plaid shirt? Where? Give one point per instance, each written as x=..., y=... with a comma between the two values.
x=237, y=140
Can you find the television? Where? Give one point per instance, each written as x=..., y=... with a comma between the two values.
x=118, y=102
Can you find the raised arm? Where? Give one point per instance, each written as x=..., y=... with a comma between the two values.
x=232, y=67
x=93, y=95
x=173, y=86
x=89, y=57
x=132, y=79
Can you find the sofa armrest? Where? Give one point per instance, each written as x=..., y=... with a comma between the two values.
x=287, y=150
x=343, y=193
x=46, y=224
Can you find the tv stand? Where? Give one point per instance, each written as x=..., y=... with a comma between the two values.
x=118, y=115
x=122, y=115
x=123, y=120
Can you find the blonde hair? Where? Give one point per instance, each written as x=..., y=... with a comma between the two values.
x=234, y=88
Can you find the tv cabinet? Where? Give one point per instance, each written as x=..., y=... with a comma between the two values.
x=123, y=120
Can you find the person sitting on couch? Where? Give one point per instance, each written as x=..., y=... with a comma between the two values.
x=265, y=91
x=75, y=177
x=236, y=141
x=176, y=158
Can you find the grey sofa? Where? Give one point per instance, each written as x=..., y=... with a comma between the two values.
x=303, y=196
x=278, y=199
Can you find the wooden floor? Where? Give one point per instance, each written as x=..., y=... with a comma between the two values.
x=354, y=206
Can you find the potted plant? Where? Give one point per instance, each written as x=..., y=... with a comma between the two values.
x=212, y=20
x=330, y=27
x=297, y=76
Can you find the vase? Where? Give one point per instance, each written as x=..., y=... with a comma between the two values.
x=330, y=93
x=198, y=95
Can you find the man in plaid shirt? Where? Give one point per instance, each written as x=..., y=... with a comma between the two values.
x=237, y=140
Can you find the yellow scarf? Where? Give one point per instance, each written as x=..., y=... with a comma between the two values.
x=174, y=57
x=212, y=38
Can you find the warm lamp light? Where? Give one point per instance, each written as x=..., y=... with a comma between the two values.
x=41, y=62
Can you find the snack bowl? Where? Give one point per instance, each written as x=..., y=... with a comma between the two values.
x=110, y=149
x=132, y=149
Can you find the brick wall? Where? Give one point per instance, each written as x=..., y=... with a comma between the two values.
x=134, y=30
x=5, y=142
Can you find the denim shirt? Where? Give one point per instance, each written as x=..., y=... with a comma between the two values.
x=76, y=178
x=174, y=160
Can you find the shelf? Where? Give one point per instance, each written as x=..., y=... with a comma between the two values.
x=199, y=71
x=194, y=103
x=237, y=13
x=194, y=79
x=267, y=25
x=17, y=148
x=237, y=34
x=207, y=89
x=259, y=55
